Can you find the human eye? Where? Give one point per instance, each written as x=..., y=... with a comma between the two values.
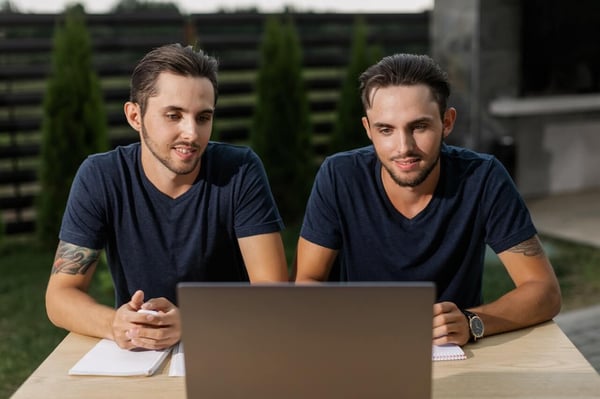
x=385, y=130
x=420, y=127
x=173, y=116
x=204, y=118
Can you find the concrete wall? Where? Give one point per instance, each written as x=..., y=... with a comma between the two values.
x=478, y=43
x=557, y=142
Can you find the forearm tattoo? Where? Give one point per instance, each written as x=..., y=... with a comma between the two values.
x=531, y=247
x=72, y=259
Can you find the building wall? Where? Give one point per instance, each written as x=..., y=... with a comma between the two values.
x=549, y=142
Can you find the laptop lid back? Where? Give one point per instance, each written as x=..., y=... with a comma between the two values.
x=351, y=340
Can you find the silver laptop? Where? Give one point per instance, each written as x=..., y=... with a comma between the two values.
x=285, y=341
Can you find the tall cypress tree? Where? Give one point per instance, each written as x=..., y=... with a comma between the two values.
x=348, y=131
x=281, y=128
x=74, y=123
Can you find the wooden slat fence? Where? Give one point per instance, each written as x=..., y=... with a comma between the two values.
x=119, y=40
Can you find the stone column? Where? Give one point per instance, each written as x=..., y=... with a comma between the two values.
x=478, y=43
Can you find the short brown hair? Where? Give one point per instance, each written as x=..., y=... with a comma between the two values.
x=174, y=58
x=406, y=70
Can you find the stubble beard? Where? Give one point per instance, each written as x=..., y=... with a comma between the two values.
x=421, y=176
x=167, y=162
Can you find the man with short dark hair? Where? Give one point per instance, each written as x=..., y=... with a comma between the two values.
x=174, y=207
x=411, y=208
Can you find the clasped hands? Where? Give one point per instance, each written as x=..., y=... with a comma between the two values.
x=132, y=329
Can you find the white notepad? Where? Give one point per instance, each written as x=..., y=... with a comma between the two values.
x=106, y=358
x=177, y=368
x=447, y=352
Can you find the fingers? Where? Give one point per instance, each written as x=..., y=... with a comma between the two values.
x=153, y=338
x=134, y=329
x=159, y=304
x=449, y=324
x=137, y=300
x=158, y=330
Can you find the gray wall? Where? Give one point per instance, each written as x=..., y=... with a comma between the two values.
x=555, y=139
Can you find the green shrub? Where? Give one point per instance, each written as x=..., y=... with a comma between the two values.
x=348, y=131
x=1, y=230
x=74, y=123
x=281, y=128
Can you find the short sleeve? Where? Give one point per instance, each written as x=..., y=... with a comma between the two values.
x=83, y=221
x=255, y=208
x=321, y=219
x=508, y=221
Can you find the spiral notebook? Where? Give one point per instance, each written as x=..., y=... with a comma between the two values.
x=447, y=352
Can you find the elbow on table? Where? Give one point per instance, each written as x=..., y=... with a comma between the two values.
x=51, y=309
x=553, y=301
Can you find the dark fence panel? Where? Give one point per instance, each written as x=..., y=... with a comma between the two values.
x=119, y=40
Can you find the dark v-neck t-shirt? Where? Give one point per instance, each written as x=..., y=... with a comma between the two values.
x=153, y=241
x=475, y=204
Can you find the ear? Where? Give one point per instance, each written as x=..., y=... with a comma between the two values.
x=449, y=119
x=366, y=125
x=134, y=115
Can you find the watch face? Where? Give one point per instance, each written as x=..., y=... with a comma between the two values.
x=476, y=326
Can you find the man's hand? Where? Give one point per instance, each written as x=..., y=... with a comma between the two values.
x=449, y=324
x=132, y=329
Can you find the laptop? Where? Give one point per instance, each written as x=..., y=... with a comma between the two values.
x=327, y=340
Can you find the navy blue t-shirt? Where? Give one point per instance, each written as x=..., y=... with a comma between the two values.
x=153, y=241
x=475, y=203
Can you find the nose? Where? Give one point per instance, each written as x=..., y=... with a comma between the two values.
x=405, y=142
x=189, y=129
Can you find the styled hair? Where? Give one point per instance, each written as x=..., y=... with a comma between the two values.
x=405, y=70
x=173, y=58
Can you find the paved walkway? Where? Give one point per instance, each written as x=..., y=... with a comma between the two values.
x=583, y=328
x=574, y=217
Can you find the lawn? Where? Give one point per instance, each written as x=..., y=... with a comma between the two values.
x=27, y=337
x=26, y=334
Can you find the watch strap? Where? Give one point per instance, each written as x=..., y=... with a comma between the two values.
x=470, y=315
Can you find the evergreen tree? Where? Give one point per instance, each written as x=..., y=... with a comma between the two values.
x=130, y=6
x=348, y=131
x=74, y=122
x=281, y=130
x=1, y=230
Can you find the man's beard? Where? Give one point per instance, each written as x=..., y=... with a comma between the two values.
x=167, y=161
x=420, y=178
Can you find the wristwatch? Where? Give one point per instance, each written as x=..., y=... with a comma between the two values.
x=475, y=325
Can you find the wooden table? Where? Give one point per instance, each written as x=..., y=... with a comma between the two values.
x=537, y=362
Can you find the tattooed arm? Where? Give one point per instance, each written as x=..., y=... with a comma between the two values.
x=536, y=298
x=67, y=302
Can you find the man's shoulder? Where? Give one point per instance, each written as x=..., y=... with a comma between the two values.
x=218, y=151
x=468, y=168
x=118, y=155
x=227, y=148
x=460, y=160
x=462, y=154
x=358, y=156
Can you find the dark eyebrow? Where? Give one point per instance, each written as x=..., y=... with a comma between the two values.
x=425, y=119
x=181, y=109
x=380, y=125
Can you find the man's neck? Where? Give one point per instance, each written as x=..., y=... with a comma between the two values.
x=410, y=201
x=167, y=182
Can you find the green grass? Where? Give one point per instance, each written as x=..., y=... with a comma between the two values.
x=577, y=267
x=27, y=337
